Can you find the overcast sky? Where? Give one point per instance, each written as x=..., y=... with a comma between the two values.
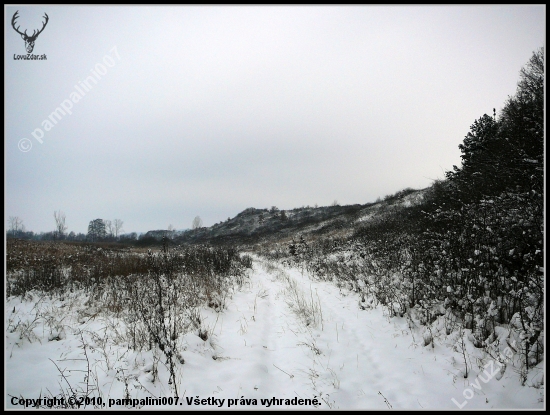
x=210, y=110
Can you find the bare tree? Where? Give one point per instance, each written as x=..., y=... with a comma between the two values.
x=117, y=227
x=60, y=226
x=171, y=231
x=15, y=225
x=109, y=228
x=197, y=223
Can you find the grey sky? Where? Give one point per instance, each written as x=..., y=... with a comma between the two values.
x=210, y=110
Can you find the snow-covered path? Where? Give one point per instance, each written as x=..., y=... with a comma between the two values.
x=262, y=346
x=354, y=359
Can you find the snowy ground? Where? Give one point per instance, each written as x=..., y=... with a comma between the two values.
x=282, y=336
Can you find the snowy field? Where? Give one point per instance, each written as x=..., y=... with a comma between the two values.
x=283, y=341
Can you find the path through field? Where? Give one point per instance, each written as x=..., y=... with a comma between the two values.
x=354, y=359
x=282, y=336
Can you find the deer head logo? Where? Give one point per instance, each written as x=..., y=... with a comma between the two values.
x=29, y=40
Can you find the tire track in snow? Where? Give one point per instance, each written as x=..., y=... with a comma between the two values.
x=343, y=351
x=260, y=341
x=283, y=334
x=350, y=346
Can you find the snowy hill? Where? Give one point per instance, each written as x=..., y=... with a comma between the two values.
x=259, y=225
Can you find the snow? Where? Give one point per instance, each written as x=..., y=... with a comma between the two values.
x=283, y=336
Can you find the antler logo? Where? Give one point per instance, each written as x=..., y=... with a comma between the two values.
x=29, y=40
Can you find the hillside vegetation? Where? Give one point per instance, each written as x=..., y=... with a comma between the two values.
x=472, y=251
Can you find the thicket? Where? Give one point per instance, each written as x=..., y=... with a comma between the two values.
x=50, y=267
x=156, y=294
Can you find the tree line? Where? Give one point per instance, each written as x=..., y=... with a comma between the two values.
x=98, y=230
